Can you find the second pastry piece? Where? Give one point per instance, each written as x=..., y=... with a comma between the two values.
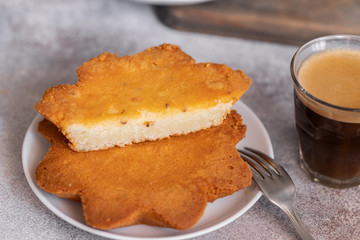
x=148, y=96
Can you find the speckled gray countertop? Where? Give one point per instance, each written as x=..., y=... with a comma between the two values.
x=43, y=42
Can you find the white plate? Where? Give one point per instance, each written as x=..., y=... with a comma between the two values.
x=172, y=2
x=217, y=214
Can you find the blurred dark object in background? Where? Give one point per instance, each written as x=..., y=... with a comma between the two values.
x=284, y=21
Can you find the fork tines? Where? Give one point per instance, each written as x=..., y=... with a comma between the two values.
x=276, y=185
x=255, y=158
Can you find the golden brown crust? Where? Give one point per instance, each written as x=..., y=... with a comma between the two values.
x=163, y=183
x=159, y=80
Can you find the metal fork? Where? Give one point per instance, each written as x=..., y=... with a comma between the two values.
x=276, y=185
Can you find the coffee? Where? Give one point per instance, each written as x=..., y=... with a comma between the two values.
x=333, y=76
x=326, y=73
x=329, y=147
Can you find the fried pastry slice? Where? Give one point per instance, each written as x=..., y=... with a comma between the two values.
x=163, y=183
x=148, y=96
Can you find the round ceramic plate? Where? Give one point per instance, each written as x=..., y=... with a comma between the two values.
x=172, y=2
x=217, y=214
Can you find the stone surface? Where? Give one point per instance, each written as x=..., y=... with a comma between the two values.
x=43, y=42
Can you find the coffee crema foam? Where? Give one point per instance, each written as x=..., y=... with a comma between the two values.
x=333, y=76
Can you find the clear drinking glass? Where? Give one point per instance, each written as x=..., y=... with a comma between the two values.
x=329, y=135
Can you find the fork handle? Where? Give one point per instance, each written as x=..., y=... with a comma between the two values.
x=298, y=224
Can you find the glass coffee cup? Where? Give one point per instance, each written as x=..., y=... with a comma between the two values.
x=326, y=76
